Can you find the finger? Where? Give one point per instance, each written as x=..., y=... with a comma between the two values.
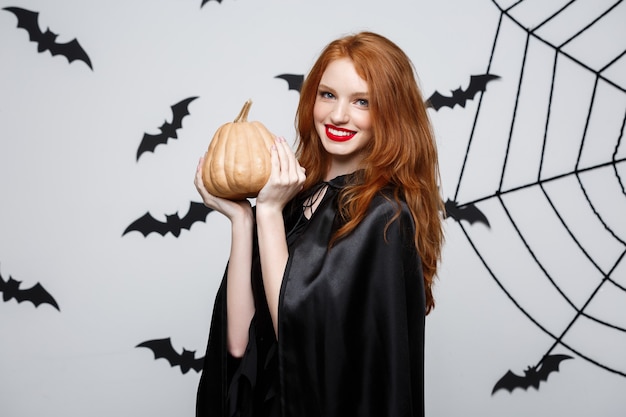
x=198, y=177
x=274, y=160
x=283, y=157
x=199, y=181
x=290, y=158
x=301, y=173
x=291, y=163
x=200, y=162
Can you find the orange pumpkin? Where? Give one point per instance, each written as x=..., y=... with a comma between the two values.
x=237, y=163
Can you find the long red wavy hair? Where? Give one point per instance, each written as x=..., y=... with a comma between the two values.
x=402, y=153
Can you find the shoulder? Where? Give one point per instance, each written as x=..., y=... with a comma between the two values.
x=391, y=213
x=387, y=203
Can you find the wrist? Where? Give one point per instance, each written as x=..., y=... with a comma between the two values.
x=243, y=218
x=265, y=209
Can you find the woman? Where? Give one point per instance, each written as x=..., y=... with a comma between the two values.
x=321, y=311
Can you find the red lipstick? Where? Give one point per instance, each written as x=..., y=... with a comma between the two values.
x=338, y=134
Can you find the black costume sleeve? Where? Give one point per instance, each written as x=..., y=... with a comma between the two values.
x=351, y=319
x=212, y=390
x=247, y=386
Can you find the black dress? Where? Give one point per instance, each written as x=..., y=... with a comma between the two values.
x=350, y=324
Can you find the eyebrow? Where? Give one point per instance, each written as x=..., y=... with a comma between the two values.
x=357, y=94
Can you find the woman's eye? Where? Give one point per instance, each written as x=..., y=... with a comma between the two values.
x=326, y=94
x=362, y=102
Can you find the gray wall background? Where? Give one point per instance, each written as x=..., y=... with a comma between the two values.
x=540, y=154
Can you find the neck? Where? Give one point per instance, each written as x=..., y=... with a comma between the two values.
x=337, y=168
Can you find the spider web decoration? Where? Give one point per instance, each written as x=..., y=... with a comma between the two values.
x=550, y=174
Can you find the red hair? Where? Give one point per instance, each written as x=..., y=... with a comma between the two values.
x=402, y=152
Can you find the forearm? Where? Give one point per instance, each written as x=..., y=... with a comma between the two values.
x=284, y=183
x=274, y=255
x=239, y=299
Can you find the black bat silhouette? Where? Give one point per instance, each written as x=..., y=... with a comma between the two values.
x=147, y=224
x=478, y=83
x=162, y=348
x=533, y=375
x=46, y=41
x=467, y=212
x=206, y=1
x=168, y=130
x=294, y=81
x=35, y=294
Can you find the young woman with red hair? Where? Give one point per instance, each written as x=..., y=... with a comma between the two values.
x=322, y=307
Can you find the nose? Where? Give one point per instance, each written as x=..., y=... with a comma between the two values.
x=339, y=114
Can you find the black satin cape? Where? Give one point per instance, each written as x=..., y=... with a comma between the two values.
x=351, y=324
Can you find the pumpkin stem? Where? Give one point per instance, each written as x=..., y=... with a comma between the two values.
x=243, y=114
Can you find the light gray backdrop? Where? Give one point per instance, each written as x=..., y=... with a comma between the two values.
x=540, y=154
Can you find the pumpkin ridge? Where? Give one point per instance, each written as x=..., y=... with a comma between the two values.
x=218, y=167
x=262, y=163
x=231, y=156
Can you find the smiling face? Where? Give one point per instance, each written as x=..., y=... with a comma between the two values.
x=342, y=116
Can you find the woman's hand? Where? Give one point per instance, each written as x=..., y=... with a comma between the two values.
x=286, y=177
x=229, y=208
